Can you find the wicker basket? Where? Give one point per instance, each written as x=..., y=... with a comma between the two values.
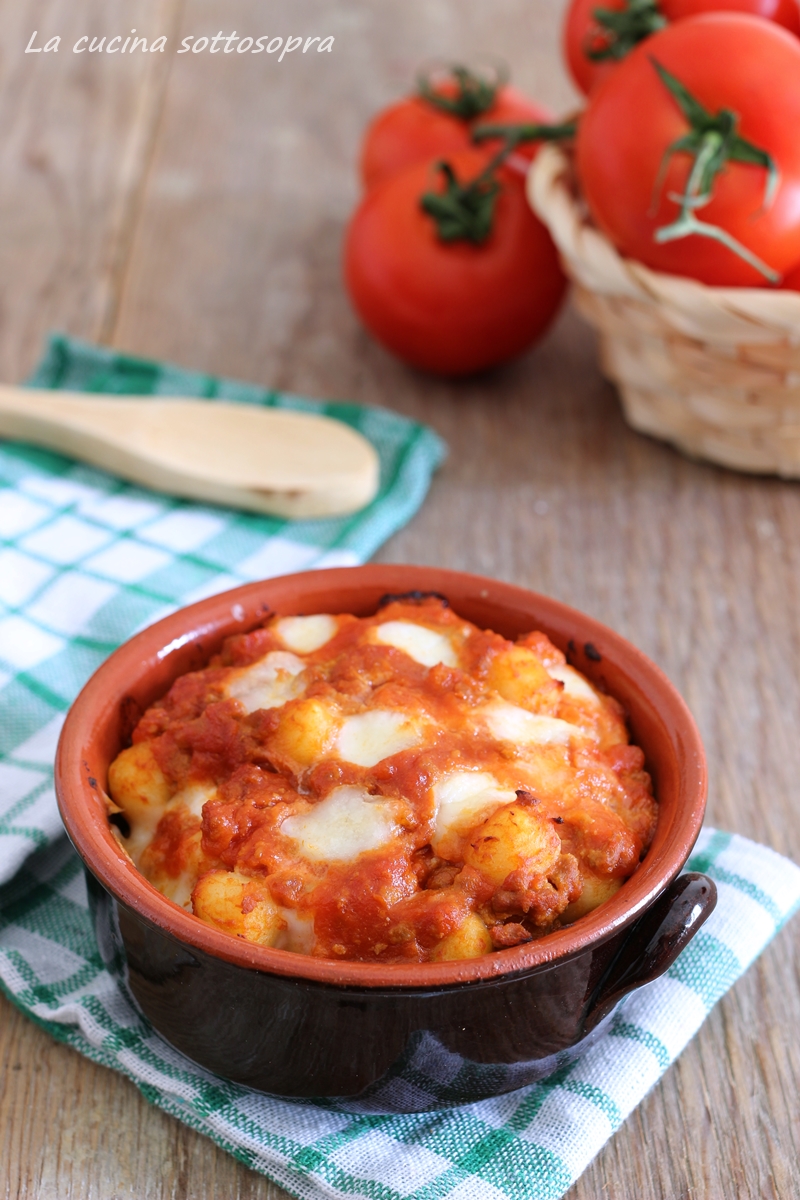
x=716, y=371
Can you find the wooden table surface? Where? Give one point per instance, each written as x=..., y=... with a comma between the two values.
x=191, y=207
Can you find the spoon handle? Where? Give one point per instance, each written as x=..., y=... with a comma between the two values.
x=23, y=411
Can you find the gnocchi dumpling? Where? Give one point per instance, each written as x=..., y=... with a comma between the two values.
x=515, y=838
x=140, y=788
x=470, y=940
x=239, y=905
x=520, y=677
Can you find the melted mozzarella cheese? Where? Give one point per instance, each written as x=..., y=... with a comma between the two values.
x=574, y=683
x=179, y=890
x=143, y=827
x=368, y=738
x=465, y=798
x=268, y=683
x=348, y=822
x=509, y=723
x=306, y=634
x=193, y=797
x=425, y=646
x=298, y=934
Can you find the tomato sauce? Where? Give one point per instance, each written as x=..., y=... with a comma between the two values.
x=401, y=787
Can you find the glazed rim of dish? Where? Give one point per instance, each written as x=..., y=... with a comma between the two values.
x=143, y=669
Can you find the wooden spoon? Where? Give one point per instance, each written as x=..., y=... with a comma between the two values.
x=268, y=460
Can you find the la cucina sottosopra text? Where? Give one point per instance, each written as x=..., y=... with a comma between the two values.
x=219, y=43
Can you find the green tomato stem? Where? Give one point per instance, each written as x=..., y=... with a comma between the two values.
x=622, y=29
x=712, y=142
x=463, y=211
x=515, y=134
x=474, y=94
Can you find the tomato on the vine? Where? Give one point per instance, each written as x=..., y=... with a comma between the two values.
x=452, y=306
x=440, y=121
x=598, y=34
x=688, y=154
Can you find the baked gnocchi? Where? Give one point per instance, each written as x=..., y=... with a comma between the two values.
x=403, y=787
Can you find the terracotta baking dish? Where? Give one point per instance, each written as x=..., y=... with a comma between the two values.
x=383, y=1038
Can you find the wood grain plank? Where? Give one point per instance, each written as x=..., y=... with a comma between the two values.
x=71, y=1130
x=255, y=170
x=76, y=135
x=233, y=266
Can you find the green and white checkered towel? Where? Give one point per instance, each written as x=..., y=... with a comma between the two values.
x=84, y=562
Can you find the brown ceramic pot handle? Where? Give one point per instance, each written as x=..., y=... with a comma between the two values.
x=655, y=941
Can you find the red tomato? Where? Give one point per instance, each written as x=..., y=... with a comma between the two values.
x=782, y=12
x=414, y=130
x=791, y=281
x=726, y=61
x=581, y=30
x=451, y=307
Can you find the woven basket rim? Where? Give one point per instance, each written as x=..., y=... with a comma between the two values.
x=687, y=306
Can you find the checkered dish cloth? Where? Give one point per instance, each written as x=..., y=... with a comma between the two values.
x=84, y=562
